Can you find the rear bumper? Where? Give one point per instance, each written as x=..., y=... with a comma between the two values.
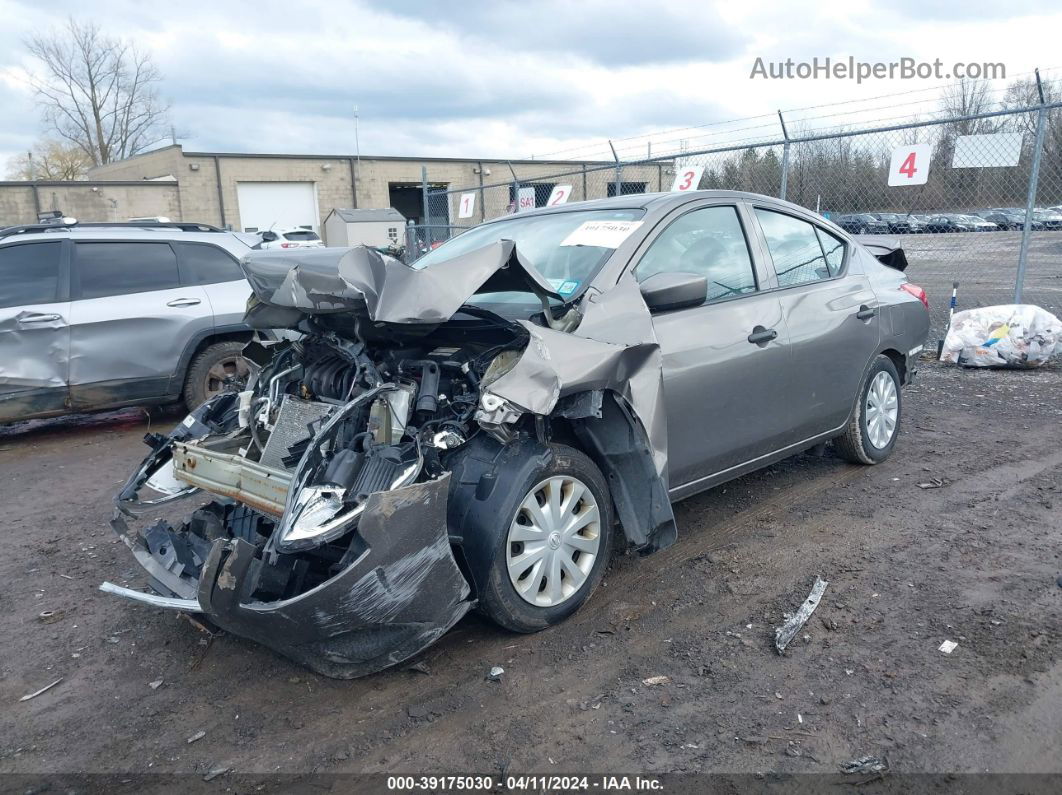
x=398, y=595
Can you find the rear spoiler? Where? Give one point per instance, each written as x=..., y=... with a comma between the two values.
x=888, y=250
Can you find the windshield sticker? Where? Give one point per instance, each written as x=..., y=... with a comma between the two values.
x=601, y=234
x=567, y=288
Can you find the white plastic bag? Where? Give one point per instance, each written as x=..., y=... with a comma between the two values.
x=1010, y=335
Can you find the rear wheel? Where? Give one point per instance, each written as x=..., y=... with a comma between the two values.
x=555, y=545
x=875, y=423
x=217, y=368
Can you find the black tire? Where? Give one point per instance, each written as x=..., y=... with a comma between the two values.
x=200, y=383
x=499, y=599
x=854, y=444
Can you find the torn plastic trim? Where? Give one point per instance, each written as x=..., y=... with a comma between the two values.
x=152, y=600
x=887, y=250
x=179, y=586
x=396, y=598
x=218, y=415
x=401, y=593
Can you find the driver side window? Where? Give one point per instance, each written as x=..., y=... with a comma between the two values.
x=707, y=242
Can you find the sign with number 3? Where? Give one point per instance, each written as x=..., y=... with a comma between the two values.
x=688, y=178
x=909, y=165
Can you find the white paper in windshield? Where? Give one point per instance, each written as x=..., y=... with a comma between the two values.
x=601, y=234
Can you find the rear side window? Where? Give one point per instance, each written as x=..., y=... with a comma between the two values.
x=794, y=247
x=206, y=264
x=29, y=273
x=122, y=268
x=833, y=248
x=307, y=235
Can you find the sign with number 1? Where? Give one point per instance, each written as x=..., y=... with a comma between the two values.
x=909, y=165
x=687, y=178
x=467, y=205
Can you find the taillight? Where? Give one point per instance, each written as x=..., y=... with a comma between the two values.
x=289, y=245
x=917, y=292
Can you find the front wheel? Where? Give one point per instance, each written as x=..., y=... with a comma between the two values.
x=875, y=423
x=554, y=547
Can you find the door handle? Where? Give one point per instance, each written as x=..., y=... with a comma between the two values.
x=866, y=312
x=39, y=318
x=761, y=335
x=179, y=302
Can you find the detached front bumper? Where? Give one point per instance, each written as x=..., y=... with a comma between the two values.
x=399, y=594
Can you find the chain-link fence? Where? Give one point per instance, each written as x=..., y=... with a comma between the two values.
x=972, y=195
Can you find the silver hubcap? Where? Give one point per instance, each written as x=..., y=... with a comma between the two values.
x=882, y=409
x=228, y=372
x=553, y=541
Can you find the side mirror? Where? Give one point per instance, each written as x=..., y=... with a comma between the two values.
x=664, y=291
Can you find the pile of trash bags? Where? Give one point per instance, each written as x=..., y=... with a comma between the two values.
x=1010, y=335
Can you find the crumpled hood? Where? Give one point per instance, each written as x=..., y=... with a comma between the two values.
x=334, y=280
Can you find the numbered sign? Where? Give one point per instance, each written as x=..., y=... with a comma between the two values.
x=525, y=200
x=559, y=195
x=467, y=205
x=909, y=165
x=688, y=178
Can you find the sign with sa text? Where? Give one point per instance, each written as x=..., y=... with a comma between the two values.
x=525, y=200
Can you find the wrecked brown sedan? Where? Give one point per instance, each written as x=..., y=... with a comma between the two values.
x=472, y=431
x=359, y=478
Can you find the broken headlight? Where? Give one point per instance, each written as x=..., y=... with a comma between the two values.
x=500, y=365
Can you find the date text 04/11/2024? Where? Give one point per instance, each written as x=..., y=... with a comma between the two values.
x=605, y=783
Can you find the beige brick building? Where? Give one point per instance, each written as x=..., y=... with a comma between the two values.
x=246, y=191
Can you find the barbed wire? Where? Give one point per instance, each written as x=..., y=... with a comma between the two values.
x=651, y=139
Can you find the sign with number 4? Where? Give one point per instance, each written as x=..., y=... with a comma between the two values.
x=467, y=205
x=688, y=178
x=909, y=165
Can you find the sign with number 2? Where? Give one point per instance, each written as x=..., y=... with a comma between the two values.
x=687, y=178
x=559, y=195
x=909, y=165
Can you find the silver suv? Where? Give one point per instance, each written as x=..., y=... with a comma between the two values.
x=96, y=316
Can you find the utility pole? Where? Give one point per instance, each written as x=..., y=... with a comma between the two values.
x=357, y=158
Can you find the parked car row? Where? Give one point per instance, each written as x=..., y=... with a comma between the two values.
x=993, y=220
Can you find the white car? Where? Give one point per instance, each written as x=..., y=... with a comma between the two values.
x=289, y=238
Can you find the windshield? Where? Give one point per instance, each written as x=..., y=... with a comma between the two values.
x=558, y=245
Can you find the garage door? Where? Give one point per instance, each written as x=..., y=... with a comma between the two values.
x=265, y=205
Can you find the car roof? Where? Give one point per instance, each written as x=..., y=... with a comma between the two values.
x=645, y=201
x=131, y=232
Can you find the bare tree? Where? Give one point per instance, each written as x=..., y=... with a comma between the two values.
x=97, y=92
x=50, y=159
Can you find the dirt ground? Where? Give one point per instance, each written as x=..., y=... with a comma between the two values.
x=974, y=561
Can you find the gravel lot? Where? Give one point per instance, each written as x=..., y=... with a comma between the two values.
x=974, y=561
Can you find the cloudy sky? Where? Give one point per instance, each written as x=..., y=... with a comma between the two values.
x=515, y=78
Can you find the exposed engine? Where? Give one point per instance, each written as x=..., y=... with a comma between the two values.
x=325, y=423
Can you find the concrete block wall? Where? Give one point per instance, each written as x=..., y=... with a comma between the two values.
x=199, y=175
x=88, y=201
